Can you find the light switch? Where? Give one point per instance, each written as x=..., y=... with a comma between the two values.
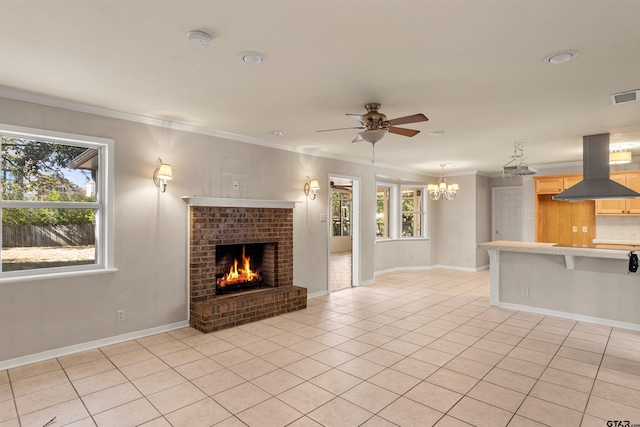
x=323, y=217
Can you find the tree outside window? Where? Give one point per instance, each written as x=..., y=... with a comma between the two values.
x=383, y=205
x=412, y=203
x=341, y=213
x=49, y=203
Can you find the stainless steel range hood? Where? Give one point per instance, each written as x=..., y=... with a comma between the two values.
x=596, y=184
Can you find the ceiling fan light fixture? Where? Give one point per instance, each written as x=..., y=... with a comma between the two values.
x=374, y=135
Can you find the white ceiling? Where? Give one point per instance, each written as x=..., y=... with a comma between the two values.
x=473, y=67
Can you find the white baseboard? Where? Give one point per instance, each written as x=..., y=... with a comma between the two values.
x=366, y=282
x=571, y=316
x=317, y=294
x=454, y=267
x=394, y=269
x=59, y=352
x=431, y=267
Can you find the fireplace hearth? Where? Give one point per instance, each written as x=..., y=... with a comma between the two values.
x=240, y=262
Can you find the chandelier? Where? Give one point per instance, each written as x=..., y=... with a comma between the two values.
x=442, y=190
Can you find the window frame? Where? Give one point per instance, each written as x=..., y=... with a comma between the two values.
x=391, y=222
x=395, y=211
x=103, y=204
x=422, y=213
x=346, y=200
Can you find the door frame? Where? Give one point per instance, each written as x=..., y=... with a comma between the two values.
x=494, y=190
x=355, y=229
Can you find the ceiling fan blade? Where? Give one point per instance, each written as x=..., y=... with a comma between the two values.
x=358, y=138
x=403, y=131
x=358, y=117
x=329, y=130
x=408, y=119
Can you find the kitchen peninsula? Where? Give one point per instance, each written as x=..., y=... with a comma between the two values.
x=589, y=284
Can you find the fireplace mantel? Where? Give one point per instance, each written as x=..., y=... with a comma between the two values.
x=238, y=203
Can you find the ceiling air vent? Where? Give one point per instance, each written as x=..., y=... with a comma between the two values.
x=624, y=97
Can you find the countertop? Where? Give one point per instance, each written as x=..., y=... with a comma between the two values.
x=597, y=251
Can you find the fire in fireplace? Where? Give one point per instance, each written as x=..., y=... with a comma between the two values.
x=238, y=267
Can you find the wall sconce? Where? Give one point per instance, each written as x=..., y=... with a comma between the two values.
x=311, y=186
x=161, y=175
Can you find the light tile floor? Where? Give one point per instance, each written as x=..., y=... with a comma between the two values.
x=340, y=271
x=416, y=348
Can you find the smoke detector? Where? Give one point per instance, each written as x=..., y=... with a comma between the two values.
x=624, y=97
x=199, y=39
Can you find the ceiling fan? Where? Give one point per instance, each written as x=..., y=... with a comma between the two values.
x=375, y=125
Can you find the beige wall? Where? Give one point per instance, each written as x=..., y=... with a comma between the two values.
x=483, y=218
x=597, y=287
x=151, y=229
x=455, y=228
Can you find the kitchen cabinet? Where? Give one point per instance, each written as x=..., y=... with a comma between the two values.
x=622, y=207
x=555, y=184
x=561, y=222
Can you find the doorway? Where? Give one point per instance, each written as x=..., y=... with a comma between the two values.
x=507, y=213
x=343, y=232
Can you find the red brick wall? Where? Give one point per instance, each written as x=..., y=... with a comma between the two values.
x=212, y=225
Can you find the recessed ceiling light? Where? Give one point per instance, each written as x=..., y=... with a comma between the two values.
x=437, y=132
x=250, y=57
x=278, y=132
x=199, y=39
x=560, y=57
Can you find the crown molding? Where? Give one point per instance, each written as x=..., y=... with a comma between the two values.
x=50, y=101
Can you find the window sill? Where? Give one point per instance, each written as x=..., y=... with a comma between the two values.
x=53, y=276
x=403, y=239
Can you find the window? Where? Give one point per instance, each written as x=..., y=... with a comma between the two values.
x=412, y=212
x=54, y=202
x=383, y=211
x=400, y=211
x=340, y=213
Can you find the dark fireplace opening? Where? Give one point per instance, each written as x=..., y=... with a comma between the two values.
x=240, y=267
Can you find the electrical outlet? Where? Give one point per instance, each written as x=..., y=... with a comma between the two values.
x=242, y=186
x=525, y=292
x=120, y=315
x=235, y=185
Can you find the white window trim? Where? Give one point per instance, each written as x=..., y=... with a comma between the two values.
x=393, y=231
x=395, y=212
x=422, y=212
x=105, y=222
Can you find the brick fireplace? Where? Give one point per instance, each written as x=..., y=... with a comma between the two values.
x=214, y=223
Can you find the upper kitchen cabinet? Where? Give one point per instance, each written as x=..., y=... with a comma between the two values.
x=625, y=206
x=555, y=184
